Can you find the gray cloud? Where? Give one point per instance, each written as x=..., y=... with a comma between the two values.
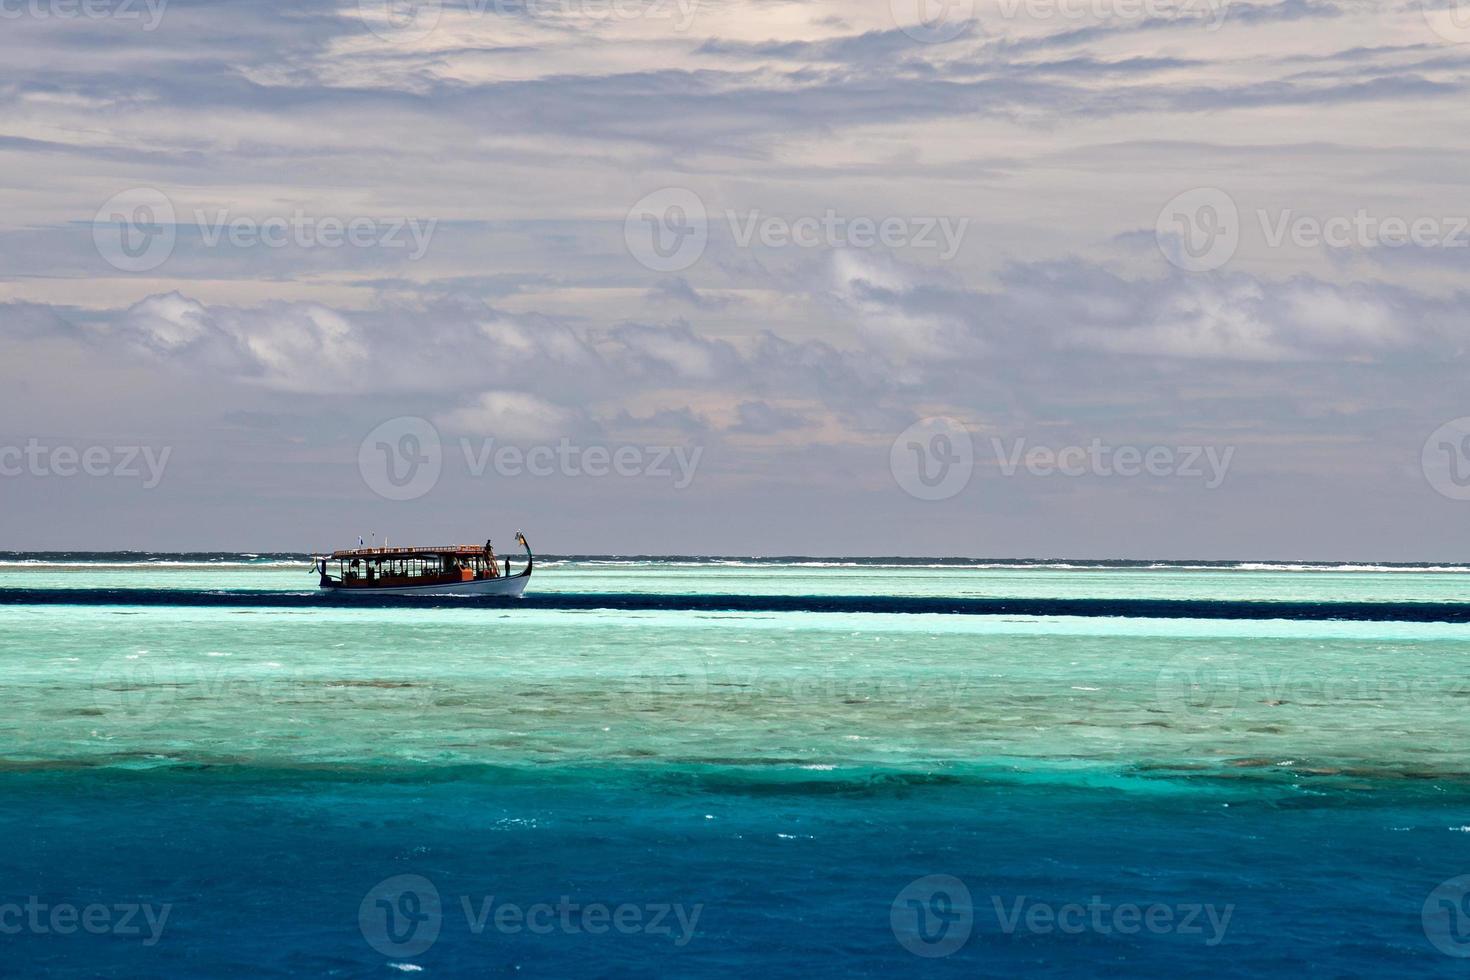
x=527, y=139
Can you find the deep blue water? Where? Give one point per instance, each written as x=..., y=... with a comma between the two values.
x=1413, y=612
x=1102, y=564
x=266, y=871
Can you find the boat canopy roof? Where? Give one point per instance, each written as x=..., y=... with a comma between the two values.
x=458, y=550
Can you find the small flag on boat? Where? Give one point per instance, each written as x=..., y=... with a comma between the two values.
x=359, y=540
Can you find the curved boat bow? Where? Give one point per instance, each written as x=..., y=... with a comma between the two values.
x=530, y=558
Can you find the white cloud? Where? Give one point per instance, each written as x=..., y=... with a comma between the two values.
x=168, y=323
x=510, y=415
x=528, y=139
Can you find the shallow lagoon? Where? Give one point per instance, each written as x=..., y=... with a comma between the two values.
x=794, y=775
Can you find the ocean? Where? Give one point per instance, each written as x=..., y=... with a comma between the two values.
x=704, y=766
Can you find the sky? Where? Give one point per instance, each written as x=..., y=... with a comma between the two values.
x=1028, y=278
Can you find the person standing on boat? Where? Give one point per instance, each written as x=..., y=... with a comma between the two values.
x=490, y=559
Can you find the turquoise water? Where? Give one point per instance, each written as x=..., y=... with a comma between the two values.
x=864, y=577
x=814, y=783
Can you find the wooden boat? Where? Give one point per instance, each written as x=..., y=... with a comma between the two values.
x=462, y=569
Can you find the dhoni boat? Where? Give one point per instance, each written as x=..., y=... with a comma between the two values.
x=461, y=569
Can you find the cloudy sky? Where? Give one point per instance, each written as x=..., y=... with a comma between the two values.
x=1085, y=278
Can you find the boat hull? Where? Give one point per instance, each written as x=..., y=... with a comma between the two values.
x=512, y=585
